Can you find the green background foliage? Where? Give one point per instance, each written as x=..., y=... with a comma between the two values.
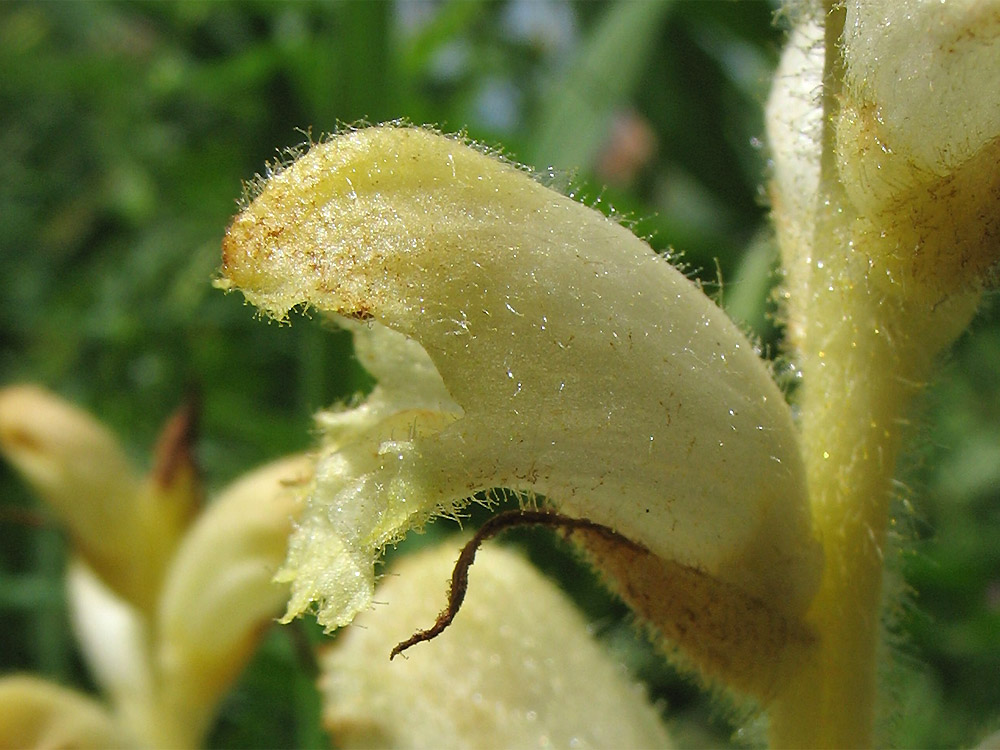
x=126, y=132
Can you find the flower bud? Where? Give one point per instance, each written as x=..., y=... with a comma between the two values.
x=35, y=713
x=519, y=668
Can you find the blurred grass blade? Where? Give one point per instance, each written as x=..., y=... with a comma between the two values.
x=574, y=120
x=746, y=297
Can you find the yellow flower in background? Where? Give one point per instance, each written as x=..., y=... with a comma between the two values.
x=519, y=667
x=166, y=602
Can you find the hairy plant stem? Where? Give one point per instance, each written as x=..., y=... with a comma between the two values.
x=851, y=412
x=866, y=342
x=866, y=322
x=850, y=405
x=864, y=351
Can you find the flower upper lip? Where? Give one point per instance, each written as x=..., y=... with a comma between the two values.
x=661, y=433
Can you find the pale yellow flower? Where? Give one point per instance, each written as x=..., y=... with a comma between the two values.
x=166, y=609
x=524, y=341
x=518, y=668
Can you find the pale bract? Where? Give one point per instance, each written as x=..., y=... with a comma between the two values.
x=521, y=341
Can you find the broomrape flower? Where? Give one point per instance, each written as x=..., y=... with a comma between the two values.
x=525, y=344
x=167, y=602
x=522, y=341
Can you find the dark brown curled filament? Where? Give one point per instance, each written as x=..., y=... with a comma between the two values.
x=460, y=574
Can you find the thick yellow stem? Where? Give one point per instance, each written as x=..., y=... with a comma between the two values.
x=864, y=352
x=850, y=415
x=865, y=326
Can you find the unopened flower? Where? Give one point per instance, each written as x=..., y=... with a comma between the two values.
x=37, y=714
x=164, y=629
x=519, y=668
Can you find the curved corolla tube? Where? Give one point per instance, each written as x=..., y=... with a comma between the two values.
x=535, y=345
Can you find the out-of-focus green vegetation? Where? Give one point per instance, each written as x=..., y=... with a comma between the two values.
x=126, y=131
